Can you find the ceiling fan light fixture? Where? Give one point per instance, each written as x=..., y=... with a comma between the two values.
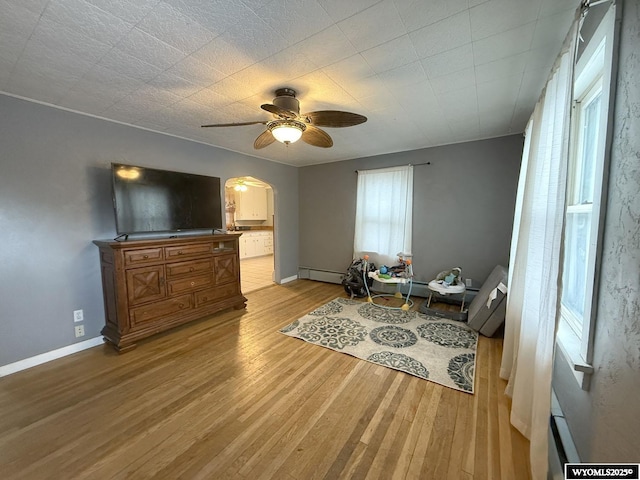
x=240, y=186
x=286, y=131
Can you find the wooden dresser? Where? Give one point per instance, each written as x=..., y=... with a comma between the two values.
x=152, y=285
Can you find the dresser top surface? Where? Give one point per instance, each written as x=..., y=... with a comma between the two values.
x=169, y=240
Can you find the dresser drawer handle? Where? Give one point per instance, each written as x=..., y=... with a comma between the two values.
x=181, y=305
x=191, y=269
x=145, y=256
x=193, y=283
x=179, y=252
x=204, y=299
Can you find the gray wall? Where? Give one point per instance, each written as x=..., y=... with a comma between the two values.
x=462, y=211
x=605, y=421
x=55, y=198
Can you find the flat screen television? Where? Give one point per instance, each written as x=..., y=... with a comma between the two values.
x=151, y=200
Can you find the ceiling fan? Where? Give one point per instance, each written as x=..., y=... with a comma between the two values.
x=289, y=126
x=240, y=184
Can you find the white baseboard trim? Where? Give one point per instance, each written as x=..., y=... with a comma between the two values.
x=288, y=279
x=48, y=356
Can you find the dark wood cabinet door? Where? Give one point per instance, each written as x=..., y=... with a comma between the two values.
x=145, y=284
x=225, y=268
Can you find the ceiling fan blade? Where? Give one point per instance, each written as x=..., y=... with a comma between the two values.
x=334, y=118
x=279, y=111
x=316, y=137
x=233, y=124
x=264, y=140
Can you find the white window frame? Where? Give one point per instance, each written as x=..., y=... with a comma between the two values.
x=574, y=204
x=594, y=69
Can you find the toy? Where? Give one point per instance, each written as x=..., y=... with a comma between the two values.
x=450, y=277
x=398, y=274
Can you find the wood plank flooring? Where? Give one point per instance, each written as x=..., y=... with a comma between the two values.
x=229, y=397
x=256, y=273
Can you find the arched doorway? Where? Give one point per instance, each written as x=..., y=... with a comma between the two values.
x=249, y=209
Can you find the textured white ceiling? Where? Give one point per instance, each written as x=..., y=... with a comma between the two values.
x=424, y=72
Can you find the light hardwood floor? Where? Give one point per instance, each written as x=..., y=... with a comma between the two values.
x=235, y=399
x=256, y=273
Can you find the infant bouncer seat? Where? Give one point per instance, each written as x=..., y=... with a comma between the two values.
x=446, y=283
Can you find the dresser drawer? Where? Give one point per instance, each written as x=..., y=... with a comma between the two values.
x=133, y=257
x=164, y=308
x=186, y=251
x=189, y=284
x=189, y=268
x=212, y=295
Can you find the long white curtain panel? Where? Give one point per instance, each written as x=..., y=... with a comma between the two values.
x=534, y=271
x=384, y=214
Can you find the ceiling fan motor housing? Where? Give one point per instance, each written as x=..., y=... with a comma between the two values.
x=286, y=98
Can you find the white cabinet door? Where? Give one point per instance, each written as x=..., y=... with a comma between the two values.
x=267, y=243
x=252, y=247
x=251, y=204
x=249, y=245
x=242, y=206
x=260, y=203
x=242, y=243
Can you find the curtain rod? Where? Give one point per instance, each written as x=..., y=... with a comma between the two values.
x=591, y=3
x=409, y=165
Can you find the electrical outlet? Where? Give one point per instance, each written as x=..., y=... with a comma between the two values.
x=78, y=315
x=79, y=331
x=468, y=282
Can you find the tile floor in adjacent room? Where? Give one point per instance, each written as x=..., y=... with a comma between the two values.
x=256, y=273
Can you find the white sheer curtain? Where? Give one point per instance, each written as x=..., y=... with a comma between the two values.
x=534, y=273
x=384, y=213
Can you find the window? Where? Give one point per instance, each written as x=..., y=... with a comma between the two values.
x=586, y=197
x=384, y=213
x=578, y=251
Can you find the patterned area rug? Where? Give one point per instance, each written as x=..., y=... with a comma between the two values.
x=433, y=348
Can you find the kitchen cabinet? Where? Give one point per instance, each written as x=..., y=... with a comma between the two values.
x=256, y=244
x=251, y=204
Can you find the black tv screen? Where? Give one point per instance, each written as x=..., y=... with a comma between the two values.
x=151, y=200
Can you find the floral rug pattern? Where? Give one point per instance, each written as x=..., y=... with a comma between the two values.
x=433, y=348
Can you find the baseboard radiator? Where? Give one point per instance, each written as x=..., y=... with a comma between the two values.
x=326, y=276
x=561, y=447
x=418, y=289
